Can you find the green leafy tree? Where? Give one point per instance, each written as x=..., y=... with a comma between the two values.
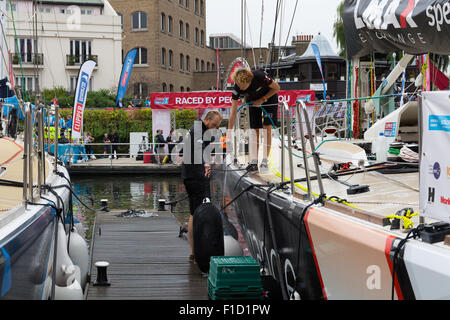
x=338, y=30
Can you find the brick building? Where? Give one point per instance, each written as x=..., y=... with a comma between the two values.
x=171, y=39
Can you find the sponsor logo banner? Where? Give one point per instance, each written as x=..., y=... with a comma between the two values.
x=415, y=26
x=80, y=97
x=434, y=167
x=125, y=75
x=218, y=99
x=439, y=123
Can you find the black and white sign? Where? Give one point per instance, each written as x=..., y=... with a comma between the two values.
x=414, y=26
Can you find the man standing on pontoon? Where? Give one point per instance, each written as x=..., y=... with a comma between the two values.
x=196, y=170
x=260, y=90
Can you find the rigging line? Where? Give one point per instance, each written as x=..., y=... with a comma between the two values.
x=60, y=45
x=279, y=37
x=18, y=91
x=251, y=38
x=270, y=56
x=260, y=29
x=45, y=58
x=292, y=20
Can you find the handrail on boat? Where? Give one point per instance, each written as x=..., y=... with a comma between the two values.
x=301, y=105
x=288, y=125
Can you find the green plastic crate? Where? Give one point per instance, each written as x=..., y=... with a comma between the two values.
x=240, y=273
x=223, y=294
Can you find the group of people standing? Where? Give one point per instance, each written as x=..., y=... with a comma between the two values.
x=160, y=146
x=134, y=103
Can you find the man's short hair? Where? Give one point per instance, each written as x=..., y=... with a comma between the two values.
x=213, y=113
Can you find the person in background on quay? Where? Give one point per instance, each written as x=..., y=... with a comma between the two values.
x=170, y=144
x=196, y=176
x=147, y=102
x=119, y=103
x=62, y=123
x=160, y=144
x=107, y=143
x=223, y=139
x=115, y=148
x=69, y=122
x=136, y=102
x=88, y=139
x=260, y=90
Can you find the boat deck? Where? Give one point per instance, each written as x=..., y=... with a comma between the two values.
x=388, y=193
x=11, y=159
x=148, y=260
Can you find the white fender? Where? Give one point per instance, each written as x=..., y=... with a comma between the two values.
x=231, y=246
x=79, y=226
x=71, y=292
x=65, y=271
x=78, y=252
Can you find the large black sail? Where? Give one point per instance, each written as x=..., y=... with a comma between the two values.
x=415, y=26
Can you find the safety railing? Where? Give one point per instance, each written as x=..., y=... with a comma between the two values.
x=301, y=107
x=75, y=154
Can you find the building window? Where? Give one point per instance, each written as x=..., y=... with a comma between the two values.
x=197, y=64
x=196, y=6
x=139, y=20
x=203, y=66
x=202, y=37
x=181, y=62
x=27, y=50
x=140, y=89
x=170, y=25
x=196, y=36
x=27, y=83
x=207, y=66
x=182, y=89
x=170, y=59
x=213, y=67
x=186, y=4
x=141, y=56
x=188, y=63
x=121, y=19
x=80, y=51
x=163, y=22
x=187, y=31
x=171, y=88
x=180, y=29
x=164, y=87
x=163, y=57
x=11, y=7
x=181, y=2
x=188, y=89
x=202, y=8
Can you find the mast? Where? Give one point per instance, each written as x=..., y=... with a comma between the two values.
x=3, y=45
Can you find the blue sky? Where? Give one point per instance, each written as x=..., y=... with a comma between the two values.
x=312, y=16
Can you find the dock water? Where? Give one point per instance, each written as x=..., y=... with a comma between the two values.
x=147, y=259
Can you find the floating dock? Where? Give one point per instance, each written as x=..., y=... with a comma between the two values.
x=147, y=259
x=121, y=165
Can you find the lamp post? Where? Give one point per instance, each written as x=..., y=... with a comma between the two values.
x=221, y=75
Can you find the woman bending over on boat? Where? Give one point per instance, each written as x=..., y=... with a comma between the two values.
x=261, y=91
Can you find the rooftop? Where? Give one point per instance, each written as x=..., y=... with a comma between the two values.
x=324, y=47
x=75, y=2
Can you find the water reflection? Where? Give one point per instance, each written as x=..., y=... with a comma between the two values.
x=132, y=192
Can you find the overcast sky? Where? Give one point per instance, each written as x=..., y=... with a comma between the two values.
x=311, y=17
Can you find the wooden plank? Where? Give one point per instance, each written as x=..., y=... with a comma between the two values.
x=148, y=260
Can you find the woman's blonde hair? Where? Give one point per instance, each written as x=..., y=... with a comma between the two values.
x=242, y=76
